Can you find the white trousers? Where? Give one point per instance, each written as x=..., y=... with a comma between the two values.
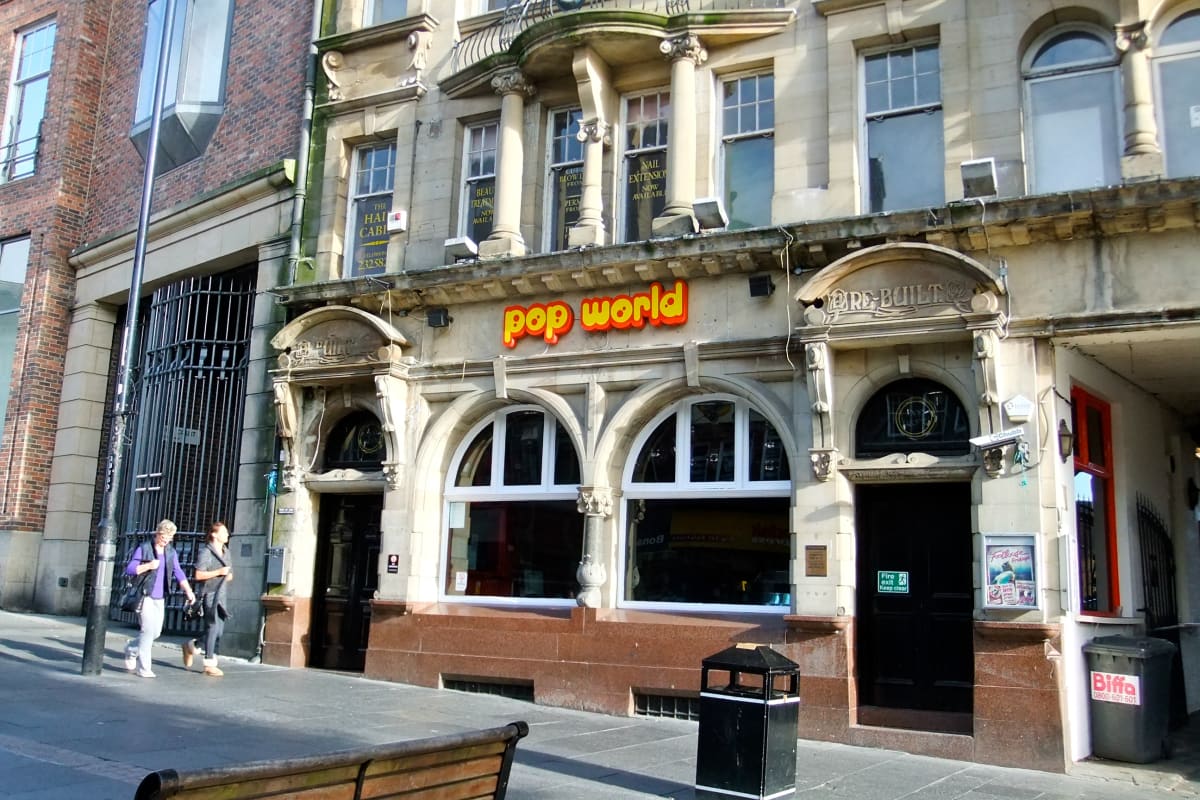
x=152, y=615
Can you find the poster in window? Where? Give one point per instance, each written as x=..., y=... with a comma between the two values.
x=481, y=199
x=568, y=189
x=1010, y=572
x=645, y=193
x=370, y=235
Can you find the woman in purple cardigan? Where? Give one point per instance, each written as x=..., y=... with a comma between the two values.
x=160, y=558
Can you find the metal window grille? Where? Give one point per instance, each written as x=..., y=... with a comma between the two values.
x=186, y=417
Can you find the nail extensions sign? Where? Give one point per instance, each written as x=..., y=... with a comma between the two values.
x=656, y=306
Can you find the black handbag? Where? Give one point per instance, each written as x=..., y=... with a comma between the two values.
x=195, y=609
x=134, y=593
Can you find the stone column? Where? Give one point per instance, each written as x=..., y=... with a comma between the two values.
x=596, y=502
x=506, y=239
x=589, y=230
x=597, y=101
x=1142, y=157
x=685, y=53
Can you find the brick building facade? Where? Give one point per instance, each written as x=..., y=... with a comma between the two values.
x=218, y=236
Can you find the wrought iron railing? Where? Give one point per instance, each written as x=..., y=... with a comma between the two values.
x=521, y=15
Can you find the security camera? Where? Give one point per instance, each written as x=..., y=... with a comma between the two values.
x=999, y=438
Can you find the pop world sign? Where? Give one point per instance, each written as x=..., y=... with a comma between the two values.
x=656, y=306
x=1113, y=687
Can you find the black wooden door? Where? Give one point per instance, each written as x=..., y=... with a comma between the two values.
x=914, y=629
x=347, y=577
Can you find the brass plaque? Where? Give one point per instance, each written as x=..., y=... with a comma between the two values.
x=816, y=561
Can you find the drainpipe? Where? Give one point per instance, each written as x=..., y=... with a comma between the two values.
x=305, y=144
x=299, y=197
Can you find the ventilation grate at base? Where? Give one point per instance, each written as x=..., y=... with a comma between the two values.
x=666, y=705
x=514, y=690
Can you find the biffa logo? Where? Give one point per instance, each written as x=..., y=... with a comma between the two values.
x=1113, y=687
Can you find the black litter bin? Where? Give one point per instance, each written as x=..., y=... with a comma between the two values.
x=1130, y=683
x=749, y=716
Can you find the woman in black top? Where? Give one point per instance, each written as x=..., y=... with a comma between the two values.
x=214, y=574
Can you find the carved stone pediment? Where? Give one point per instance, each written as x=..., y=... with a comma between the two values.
x=908, y=467
x=897, y=283
x=333, y=338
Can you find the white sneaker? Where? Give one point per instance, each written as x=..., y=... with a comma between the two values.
x=130, y=659
x=145, y=673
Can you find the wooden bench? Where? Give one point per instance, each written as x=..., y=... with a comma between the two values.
x=456, y=767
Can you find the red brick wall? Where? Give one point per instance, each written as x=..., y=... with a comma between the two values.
x=261, y=123
x=47, y=207
x=89, y=179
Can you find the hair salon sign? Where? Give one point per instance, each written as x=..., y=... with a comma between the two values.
x=656, y=306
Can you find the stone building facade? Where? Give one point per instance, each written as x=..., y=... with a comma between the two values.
x=919, y=411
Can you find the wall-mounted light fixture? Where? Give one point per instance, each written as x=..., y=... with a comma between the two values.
x=438, y=317
x=460, y=248
x=761, y=286
x=1066, y=441
x=710, y=213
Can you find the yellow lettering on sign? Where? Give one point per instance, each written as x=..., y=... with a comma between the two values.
x=550, y=321
x=657, y=306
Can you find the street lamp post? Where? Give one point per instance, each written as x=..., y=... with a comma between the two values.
x=97, y=619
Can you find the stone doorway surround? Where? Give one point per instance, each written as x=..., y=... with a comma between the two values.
x=917, y=310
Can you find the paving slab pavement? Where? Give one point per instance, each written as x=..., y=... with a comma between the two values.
x=66, y=736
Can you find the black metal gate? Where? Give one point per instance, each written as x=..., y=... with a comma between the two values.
x=186, y=418
x=1158, y=582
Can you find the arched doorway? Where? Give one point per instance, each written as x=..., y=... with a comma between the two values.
x=915, y=591
x=347, y=563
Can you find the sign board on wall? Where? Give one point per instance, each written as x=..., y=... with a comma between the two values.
x=658, y=305
x=816, y=561
x=891, y=582
x=370, y=235
x=1010, y=571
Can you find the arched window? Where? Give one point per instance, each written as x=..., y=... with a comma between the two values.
x=513, y=527
x=1177, y=62
x=356, y=442
x=913, y=415
x=706, y=513
x=1073, y=129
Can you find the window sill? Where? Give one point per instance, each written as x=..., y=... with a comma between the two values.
x=1106, y=619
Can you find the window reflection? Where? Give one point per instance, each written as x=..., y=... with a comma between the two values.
x=1091, y=530
x=515, y=532
x=712, y=441
x=656, y=462
x=690, y=550
x=523, y=448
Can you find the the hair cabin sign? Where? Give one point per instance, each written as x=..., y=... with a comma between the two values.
x=656, y=306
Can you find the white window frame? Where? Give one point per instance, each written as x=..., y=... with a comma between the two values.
x=548, y=239
x=1164, y=54
x=353, y=198
x=1030, y=77
x=10, y=256
x=864, y=158
x=726, y=138
x=464, y=205
x=17, y=87
x=626, y=151
x=546, y=490
x=683, y=487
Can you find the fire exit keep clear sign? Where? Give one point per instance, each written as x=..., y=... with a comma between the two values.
x=891, y=582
